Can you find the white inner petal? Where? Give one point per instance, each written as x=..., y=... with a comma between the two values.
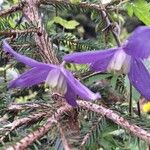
x=126, y=64
x=120, y=62
x=105, y=1
x=62, y=84
x=57, y=81
x=52, y=78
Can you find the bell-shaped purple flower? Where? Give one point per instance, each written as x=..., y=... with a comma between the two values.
x=125, y=59
x=58, y=78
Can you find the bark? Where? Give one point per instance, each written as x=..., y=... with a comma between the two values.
x=42, y=40
x=32, y=137
x=112, y=115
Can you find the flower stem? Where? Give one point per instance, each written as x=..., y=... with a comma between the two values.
x=130, y=101
x=116, y=118
x=138, y=109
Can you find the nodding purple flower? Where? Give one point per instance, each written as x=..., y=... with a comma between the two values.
x=125, y=59
x=59, y=79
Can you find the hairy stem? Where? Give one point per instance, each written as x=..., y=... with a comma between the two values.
x=12, y=9
x=63, y=138
x=19, y=122
x=110, y=114
x=42, y=40
x=32, y=137
x=130, y=101
x=13, y=32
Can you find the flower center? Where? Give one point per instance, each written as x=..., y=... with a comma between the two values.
x=120, y=62
x=57, y=81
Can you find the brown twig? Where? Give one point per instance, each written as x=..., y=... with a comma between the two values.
x=134, y=129
x=12, y=9
x=30, y=138
x=22, y=106
x=109, y=26
x=30, y=11
x=87, y=136
x=22, y=45
x=91, y=75
x=4, y=118
x=11, y=126
x=67, y=2
x=110, y=114
x=63, y=138
x=12, y=32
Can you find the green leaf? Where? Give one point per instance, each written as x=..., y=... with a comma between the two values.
x=141, y=9
x=114, y=81
x=75, y=1
x=130, y=9
x=66, y=24
x=96, y=78
x=50, y=23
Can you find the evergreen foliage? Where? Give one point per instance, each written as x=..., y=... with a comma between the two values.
x=37, y=115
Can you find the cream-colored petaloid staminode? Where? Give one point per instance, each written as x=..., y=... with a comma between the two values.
x=120, y=62
x=105, y=1
x=57, y=81
x=126, y=64
x=62, y=85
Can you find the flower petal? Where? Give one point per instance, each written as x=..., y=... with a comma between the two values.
x=52, y=78
x=138, y=44
x=103, y=62
x=70, y=97
x=79, y=88
x=21, y=58
x=34, y=76
x=90, y=56
x=140, y=77
x=56, y=80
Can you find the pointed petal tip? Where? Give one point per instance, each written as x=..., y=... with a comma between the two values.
x=96, y=96
x=78, y=88
x=5, y=46
x=92, y=96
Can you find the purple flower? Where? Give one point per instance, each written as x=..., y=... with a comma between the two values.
x=59, y=79
x=125, y=59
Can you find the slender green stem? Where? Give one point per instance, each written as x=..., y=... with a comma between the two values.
x=130, y=101
x=139, y=147
x=138, y=109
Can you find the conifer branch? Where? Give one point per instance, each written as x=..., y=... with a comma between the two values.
x=67, y=2
x=110, y=114
x=87, y=136
x=23, y=106
x=14, y=8
x=17, y=123
x=63, y=138
x=30, y=11
x=32, y=137
x=14, y=32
